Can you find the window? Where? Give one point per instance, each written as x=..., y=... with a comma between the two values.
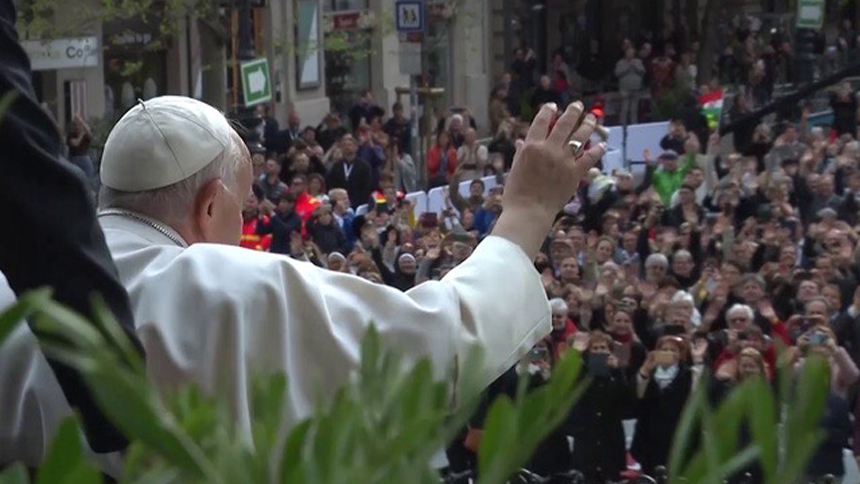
x=344, y=5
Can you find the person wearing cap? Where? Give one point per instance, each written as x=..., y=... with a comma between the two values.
x=489, y=213
x=174, y=175
x=668, y=175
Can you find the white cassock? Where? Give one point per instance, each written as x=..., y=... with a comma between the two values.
x=218, y=315
x=32, y=404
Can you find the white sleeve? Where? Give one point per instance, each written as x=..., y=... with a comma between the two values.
x=493, y=300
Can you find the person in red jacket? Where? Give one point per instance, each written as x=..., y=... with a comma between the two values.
x=256, y=223
x=441, y=160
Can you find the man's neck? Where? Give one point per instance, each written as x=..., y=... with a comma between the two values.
x=272, y=179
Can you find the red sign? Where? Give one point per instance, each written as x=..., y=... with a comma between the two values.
x=345, y=20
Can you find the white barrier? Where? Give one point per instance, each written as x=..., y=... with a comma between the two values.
x=436, y=196
x=639, y=137
x=645, y=136
x=612, y=160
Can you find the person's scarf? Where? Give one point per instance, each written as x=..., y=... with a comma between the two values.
x=663, y=377
x=623, y=338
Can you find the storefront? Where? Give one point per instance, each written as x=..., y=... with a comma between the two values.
x=135, y=65
x=67, y=76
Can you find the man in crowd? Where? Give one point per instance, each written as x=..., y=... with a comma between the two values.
x=351, y=173
x=271, y=182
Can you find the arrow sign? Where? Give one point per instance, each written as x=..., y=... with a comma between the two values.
x=255, y=82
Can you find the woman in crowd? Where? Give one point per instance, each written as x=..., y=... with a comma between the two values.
x=441, y=160
x=663, y=385
x=596, y=419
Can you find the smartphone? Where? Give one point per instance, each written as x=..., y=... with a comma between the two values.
x=818, y=338
x=598, y=364
x=664, y=358
x=538, y=354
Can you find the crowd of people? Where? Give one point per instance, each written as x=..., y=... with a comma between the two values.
x=715, y=266
x=750, y=55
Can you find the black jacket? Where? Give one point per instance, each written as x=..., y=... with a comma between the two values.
x=595, y=423
x=329, y=238
x=282, y=227
x=57, y=242
x=359, y=185
x=659, y=413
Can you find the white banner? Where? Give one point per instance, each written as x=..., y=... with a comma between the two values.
x=62, y=53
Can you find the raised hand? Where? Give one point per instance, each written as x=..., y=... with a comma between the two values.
x=545, y=175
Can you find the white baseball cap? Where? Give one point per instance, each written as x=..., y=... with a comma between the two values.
x=162, y=141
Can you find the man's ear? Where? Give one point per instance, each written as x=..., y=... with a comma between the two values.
x=204, y=208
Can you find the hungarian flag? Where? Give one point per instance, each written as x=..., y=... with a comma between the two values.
x=712, y=107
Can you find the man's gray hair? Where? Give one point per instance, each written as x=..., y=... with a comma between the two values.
x=750, y=314
x=175, y=202
x=558, y=306
x=657, y=259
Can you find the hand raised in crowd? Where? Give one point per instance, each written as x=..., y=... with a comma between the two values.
x=700, y=348
x=612, y=361
x=649, y=365
x=581, y=341
x=267, y=207
x=545, y=175
x=728, y=370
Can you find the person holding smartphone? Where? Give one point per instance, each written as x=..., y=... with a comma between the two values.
x=595, y=422
x=663, y=386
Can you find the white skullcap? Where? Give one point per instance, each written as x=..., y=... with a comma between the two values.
x=162, y=141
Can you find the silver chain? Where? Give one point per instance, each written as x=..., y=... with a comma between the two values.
x=144, y=220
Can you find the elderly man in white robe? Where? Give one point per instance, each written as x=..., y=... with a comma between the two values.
x=174, y=175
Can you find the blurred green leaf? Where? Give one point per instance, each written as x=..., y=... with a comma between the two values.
x=110, y=327
x=23, y=308
x=14, y=474
x=763, y=421
x=65, y=462
x=685, y=432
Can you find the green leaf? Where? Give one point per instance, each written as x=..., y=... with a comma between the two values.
x=294, y=452
x=15, y=474
x=65, y=462
x=738, y=462
x=23, y=308
x=684, y=433
x=500, y=431
x=762, y=421
x=111, y=327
